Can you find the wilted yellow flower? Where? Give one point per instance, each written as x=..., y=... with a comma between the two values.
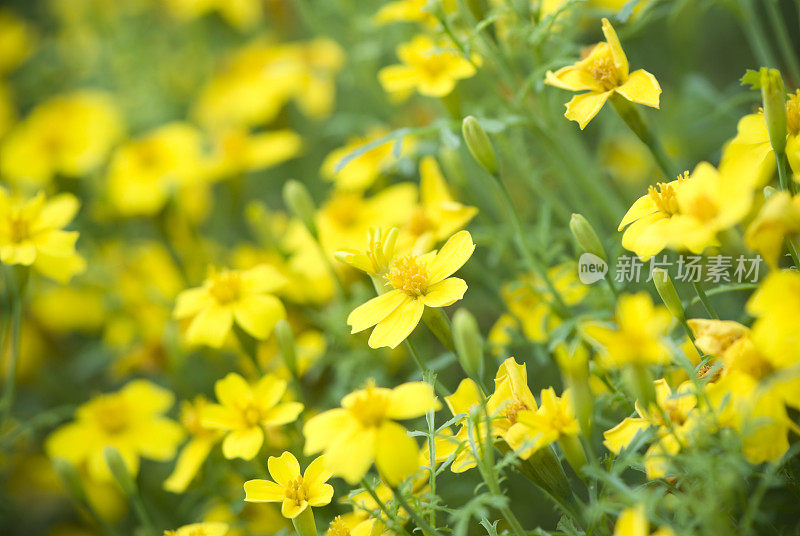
x=130, y=420
x=244, y=410
x=145, y=172
x=603, y=73
x=196, y=450
x=429, y=67
x=552, y=421
x=686, y=213
x=31, y=234
x=67, y=135
x=511, y=396
x=416, y=281
x=364, y=430
x=228, y=296
x=294, y=491
x=640, y=336
x=199, y=529
x=778, y=219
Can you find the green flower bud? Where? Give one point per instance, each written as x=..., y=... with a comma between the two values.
x=469, y=344
x=668, y=293
x=585, y=236
x=285, y=338
x=299, y=202
x=71, y=479
x=773, y=93
x=119, y=470
x=479, y=144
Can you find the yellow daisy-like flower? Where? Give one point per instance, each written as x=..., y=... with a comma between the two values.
x=296, y=492
x=200, y=529
x=364, y=430
x=603, y=73
x=640, y=336
x=228, y=296
x=131, y=420
x=686, y=213
x=416, y=281
x=244, y=410
x=429, y=67
x=552, y=421
x=31, y=234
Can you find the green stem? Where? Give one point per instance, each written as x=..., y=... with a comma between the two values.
x=389, y=515
x=426, y=372
x=304, y=523
x=418, y=520
x=18, y=286
x=755, y=34
x=633, y=118
x=704, y=300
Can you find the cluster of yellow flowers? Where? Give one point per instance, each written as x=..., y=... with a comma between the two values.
x=166, y=330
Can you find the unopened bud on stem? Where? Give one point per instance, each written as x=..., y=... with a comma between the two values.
x=773, y=94
x=479, y=144
x=469, y=344
x=668, y=293
x=585, y=236
x=299, y=202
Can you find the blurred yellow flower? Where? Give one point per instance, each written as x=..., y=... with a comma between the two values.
x=603, y=73
x=244, y=410
x=196, y=450
x=416, y=281
x=640, y=337
x=31, y=234
x=776, y=306
x=16, y=41
x=294, y=491
x=68, y=135
x=412, y=11
x=360, y=172
x=228, y=296
x=199, y=529
x=145, y=172
x=633, y=522
x=131, y=420
x=431, y=68
x=778, y=219
x=686, y=213
x=364, y=430
x=8, y=112
x=235, y=151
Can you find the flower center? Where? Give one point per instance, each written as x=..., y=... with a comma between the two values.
x=338, y=527
x=703, y=208
x=225, y=287
x=296, y=491
x=19, y=228
x=513, y=408
x=604, y=71
x=410, y=274
x=420, y=223
x=370, y=406
x=793, y=114
x=111, y=414
x=664, y=196
x=251, y=415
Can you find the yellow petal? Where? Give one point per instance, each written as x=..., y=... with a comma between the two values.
x=445, y=292
x=326, y=428
x=393, y=329
x=412, y=399
x=148, y=397
x=243, y=443
x=190, y=302
x=283, y=414
x=58, y=212
x=158, y=439
x=620, y=60
x=283, y=469
x=320, y=494
x=466, y=396
x=190, y=460
x=263, y=491
x=352, y=457
x=641, y=87
x=210, y=326
x=269, y=390
x=291, y=509
x=233, y=391
x=397, y=78
x=258, y=314
x=453, y=255
x=219, y=417
x=317, y=471
x=622, y=434
x=375, y=310
x=572, y=78
x=644, y=206
x=632, y=522
x=396, y=453
x=433, y=189
x=262, y=279
x=582, y=108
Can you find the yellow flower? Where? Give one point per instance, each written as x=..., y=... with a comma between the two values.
x=244, y=410
x=296, y=492
x=378, y=256
x=196, y=450
x=228, y=296
x=552, y=421
x=364, y=430
x=778, y=219
x=686, y=213
x=633, y=522
x=603, y=73
x=131, y=420
x=416, y=281
x=511, y=396
x=145, y=172
x=199, y=529
x=776, y=305
x=429, y=67
x=411, y=11
x=67, y=135
x=31, y=234
x=16, y=41
x=464, y=401
x=640, y=336
x=361, y=171
x=237, y=151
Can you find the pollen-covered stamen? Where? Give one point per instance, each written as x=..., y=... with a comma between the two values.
x=604, y=71
x=513, y=408
x=370, y=406
x=296, y=490
x=793, y=114
x=338, y=527
x=410, y=274
x=225, y=287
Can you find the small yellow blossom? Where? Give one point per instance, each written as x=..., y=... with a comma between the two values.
x=199, y=529
x=244, y=410
x=511, y=396
x=296, y=492
x=131, y=420
x=228, y=296
x=640, y=336
x=603, y=73
x=31, y=234
x=416, y=281
x=429, y=67
x=364, y=430
x=686, y=213
x=236, y=151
